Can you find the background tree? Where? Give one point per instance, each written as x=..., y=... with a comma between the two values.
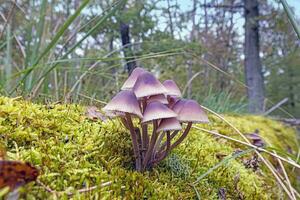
x=253, y=69
x=198, y=43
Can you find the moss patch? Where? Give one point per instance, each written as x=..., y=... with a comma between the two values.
x=73, y=152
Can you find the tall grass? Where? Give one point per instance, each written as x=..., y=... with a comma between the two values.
x=36, y=76
x=291, y=17
x=223, y=101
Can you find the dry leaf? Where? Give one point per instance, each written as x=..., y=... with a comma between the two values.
x=93, y=113
x=220, y=156
x=15, y=174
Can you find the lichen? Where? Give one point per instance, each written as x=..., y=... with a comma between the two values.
x=73, y=152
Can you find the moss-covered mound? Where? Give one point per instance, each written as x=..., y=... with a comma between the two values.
x=73, y=153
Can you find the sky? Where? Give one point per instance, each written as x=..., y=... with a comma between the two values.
x=185, y=5
x=296, y=5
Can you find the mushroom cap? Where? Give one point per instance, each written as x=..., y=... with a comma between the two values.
x=157, y=110
x=172, y=88
x=129, y=83
x=147, y=85
x=159, y=97
x=253, y=136
x=178, y=105
x=169, y=124
x=172, y=101
x=124, y=102
x=191, y=111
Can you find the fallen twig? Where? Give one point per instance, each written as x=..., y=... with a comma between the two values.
x=268, y=164
x=83, y=190
x=280, y=103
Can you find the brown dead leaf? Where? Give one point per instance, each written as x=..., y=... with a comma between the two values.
x=220, y=156
x=16, y=173
x=93, y=113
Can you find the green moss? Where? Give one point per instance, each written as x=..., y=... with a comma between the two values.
x=73, y=152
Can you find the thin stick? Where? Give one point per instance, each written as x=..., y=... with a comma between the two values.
x=83, y=190
x=190, y=81
x=256, y=151
x=280, y=103
x=91, y=188
x=286, y=178
x=248, y=142
x=271, y=168
x=91, y=98
x=47, y=188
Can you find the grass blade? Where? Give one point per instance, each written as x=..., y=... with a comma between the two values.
x=224, y=161
x=99, y=23
x=291, y=17
x=62, y=30
x=38, y=38
x=55, y=39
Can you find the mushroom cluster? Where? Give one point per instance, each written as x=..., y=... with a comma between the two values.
x=158, y=106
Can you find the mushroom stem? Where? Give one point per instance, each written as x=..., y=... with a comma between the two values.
x=166, y=152
x=134, y=143
x=123, y=120
x=139, y=139
x=181, y=138
x=151, y=146
x=157, y=144
x=145, y=137
x=165, y=143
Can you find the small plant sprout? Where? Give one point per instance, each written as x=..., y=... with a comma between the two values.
x=159, y=110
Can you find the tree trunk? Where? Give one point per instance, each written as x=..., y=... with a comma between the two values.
x=125, y=37
x=253, y=69
x=170, y=19
x=190, y=62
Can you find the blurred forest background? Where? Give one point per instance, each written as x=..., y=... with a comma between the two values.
x=230, y=55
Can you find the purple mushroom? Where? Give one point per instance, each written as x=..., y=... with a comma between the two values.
x=144, y=97
x=189, y=111
x=129, y=83
x=125, y=105
x=159, y=97
x=172, y=88
x=147, y=85
x=155, y=111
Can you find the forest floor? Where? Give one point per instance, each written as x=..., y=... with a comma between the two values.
x=92, y=159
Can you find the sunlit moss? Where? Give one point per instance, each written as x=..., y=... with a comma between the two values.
x=73, y=152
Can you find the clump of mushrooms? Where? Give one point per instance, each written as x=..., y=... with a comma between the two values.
x=160, y=110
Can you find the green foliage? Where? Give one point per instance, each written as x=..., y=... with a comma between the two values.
x=73, y=152
x=283, y=82
x=222, y=102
